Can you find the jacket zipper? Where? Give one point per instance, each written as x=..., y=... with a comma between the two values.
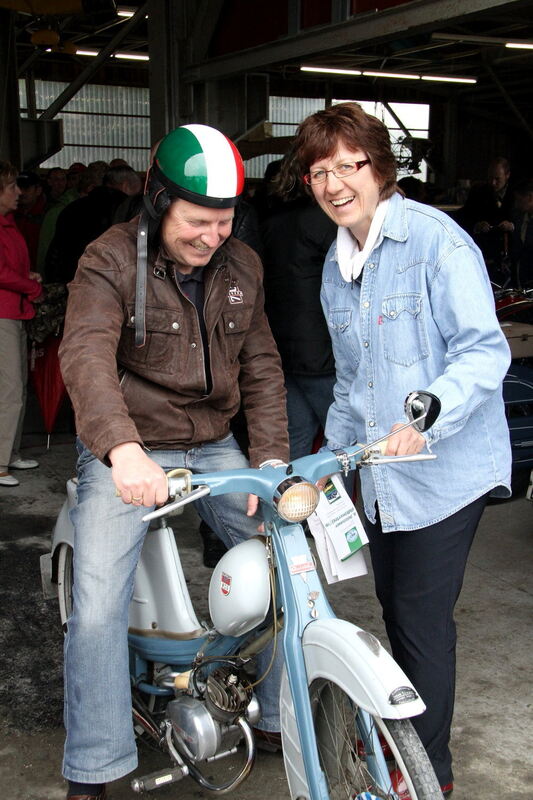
x=199, y=331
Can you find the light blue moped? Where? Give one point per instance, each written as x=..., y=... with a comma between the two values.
x=344, y=703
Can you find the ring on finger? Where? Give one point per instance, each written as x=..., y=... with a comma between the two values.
x=137, y=499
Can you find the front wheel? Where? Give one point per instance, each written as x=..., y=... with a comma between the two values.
x=347, y=739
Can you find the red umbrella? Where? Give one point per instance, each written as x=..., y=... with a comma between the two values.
x=47, y=380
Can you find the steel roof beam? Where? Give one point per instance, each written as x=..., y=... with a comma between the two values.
x=416, y=17
x=61, y=101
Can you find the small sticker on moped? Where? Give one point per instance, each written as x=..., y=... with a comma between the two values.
x=301, y=564
x=225, y=583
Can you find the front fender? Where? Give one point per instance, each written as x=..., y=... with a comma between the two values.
x=353, y=659
x=357, y=662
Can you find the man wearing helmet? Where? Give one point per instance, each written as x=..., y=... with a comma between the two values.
x=165, y=335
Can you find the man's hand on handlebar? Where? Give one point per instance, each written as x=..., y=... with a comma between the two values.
x=139, y=480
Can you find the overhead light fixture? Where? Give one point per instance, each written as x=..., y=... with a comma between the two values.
x=332, y=70
x=523, y=44
x=448, y=79
x=410, y=76
x=132, y=56
x=126, y=56
x=126, y=12
x=376, y=74
x=520, y=45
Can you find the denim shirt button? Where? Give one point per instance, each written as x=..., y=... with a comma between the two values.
x=371, y=424
x=370, y=384
x=366, y=304
x=365, y=344
x=392, y=314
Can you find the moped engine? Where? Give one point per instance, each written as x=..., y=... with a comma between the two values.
x=203, y=726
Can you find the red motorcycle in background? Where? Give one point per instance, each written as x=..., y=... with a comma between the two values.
x=514, y=305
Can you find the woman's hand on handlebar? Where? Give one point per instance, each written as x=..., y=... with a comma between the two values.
x=406, y=443
x=139, y=480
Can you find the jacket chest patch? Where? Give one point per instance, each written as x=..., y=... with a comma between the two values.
x=235, y=294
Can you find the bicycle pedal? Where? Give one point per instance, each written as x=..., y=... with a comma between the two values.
x=155, y=780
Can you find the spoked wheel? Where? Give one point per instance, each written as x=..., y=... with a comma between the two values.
x=65, y=576
x=345, y=739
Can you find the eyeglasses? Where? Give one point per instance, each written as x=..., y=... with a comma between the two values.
x=340, y=171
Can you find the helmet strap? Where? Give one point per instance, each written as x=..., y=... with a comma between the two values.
x=141, y=277
x=149, y=206
x=149, y=222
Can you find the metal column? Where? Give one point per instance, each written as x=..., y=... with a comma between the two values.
x=167, y=29
x=9, y=93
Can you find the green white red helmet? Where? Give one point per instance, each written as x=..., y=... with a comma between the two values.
x=199, y=164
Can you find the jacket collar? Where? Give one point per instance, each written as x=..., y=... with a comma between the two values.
x=395, y=224
x=7, y=220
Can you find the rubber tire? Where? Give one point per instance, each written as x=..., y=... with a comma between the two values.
x=343, y=761
x=65, y=574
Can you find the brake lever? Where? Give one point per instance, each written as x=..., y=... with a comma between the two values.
x=374, y=458
x=163, y=511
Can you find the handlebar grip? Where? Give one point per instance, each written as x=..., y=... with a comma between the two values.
x=200, y=491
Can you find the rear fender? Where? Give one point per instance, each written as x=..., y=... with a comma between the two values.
x=63, y=532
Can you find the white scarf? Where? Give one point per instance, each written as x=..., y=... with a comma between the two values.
x=350, y=259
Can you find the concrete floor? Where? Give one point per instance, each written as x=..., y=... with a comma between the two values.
x=492, y=732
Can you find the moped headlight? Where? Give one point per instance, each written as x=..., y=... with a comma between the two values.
x=296, y=499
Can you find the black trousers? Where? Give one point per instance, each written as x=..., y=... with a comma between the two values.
x=418, y=576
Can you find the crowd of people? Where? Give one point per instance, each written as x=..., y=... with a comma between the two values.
x=185, y=345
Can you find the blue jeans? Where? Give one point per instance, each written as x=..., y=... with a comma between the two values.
x=100, y=745
x=308, y=400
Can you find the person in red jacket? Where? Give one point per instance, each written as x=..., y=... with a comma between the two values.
x=19, y=288
x=30, y=211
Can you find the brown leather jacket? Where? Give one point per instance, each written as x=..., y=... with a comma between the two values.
x=156, y=395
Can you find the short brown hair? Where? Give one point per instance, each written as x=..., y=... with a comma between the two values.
x=319, y=136
x=8, y=173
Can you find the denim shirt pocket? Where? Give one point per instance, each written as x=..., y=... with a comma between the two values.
x=404, y=334
x=342, y=334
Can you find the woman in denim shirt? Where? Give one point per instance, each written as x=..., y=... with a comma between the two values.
x=409, y=306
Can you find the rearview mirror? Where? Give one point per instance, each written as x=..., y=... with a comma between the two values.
x=422, y=409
